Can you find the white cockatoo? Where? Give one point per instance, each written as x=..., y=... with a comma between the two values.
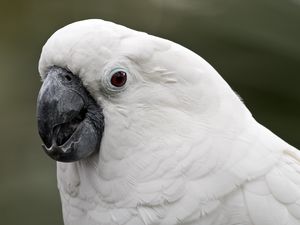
x=146, y=132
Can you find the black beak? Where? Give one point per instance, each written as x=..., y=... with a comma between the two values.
x=70, y=122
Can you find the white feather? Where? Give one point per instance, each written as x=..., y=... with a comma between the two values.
x=179, y=146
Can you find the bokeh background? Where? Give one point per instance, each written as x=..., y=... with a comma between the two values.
x=254, y=44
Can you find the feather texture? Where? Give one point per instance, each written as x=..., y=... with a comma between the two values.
x=179, y=146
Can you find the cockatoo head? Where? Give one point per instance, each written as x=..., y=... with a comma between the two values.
x=113, y=89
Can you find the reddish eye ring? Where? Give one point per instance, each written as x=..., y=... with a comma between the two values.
x=118, y=79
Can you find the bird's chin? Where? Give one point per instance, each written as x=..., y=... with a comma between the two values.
x=83, y=142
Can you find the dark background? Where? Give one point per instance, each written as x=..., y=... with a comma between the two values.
x=254, y=44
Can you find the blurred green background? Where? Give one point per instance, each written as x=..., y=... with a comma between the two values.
x=254, y=44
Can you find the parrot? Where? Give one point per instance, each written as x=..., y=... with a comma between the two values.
x=146, y=132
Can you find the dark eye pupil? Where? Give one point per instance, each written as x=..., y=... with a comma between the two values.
x=119, y=78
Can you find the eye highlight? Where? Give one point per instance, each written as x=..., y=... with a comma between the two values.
x=119, y=78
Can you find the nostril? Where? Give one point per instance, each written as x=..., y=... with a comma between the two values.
x=68, y=77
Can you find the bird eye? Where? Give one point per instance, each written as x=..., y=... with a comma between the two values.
x=118, y=79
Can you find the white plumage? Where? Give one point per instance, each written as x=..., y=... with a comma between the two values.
x=179, y=146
